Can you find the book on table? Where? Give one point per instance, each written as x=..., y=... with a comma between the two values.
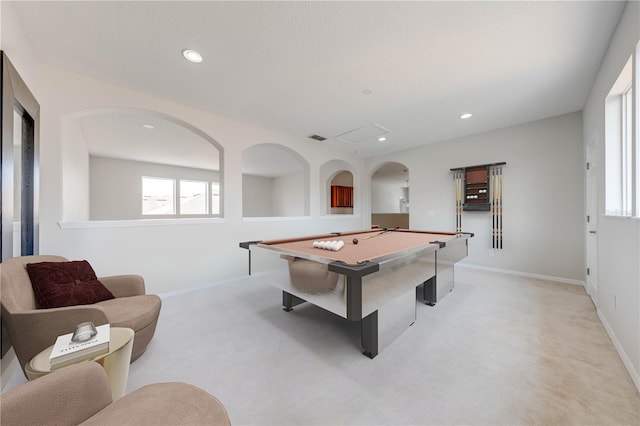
x=66, y=352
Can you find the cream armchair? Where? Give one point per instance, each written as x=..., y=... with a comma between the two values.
x=31, y=329
x=80, y=394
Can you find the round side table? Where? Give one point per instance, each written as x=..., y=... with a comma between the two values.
x=115, y=362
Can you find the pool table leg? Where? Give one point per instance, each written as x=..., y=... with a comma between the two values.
x=289, y=301
x=369, y=334
x=430, y=295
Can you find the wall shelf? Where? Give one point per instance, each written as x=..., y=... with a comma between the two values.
x=476, y=190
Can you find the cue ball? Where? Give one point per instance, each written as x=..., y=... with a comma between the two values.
x=355, y=241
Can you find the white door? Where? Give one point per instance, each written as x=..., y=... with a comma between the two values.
x=592, y=221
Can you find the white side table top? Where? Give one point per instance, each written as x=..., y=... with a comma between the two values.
x=40, y=365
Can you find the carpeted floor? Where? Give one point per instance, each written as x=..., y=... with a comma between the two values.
x=498, y=350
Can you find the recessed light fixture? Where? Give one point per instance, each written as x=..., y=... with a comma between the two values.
x=382, y=139
x=192, y=56
x=466, y=115
x=149, y=126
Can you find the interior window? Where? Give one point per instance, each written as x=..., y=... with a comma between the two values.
x=275, y=182
x=125, y=146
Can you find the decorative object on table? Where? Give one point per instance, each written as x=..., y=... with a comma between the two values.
x=479, y=188
x=66, y=351
x=84, y=331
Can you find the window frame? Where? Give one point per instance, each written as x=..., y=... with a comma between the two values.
x=174, y=197
x=622, y=156
x=177, y=196
x=207, y=198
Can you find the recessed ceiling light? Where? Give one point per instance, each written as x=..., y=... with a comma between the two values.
x=466, y=115
x=192, y=56
x=148, y=126
x=382, y=139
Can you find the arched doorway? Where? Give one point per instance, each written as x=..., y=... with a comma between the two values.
x=390, y=196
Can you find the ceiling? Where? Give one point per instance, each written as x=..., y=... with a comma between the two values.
x=329, y=68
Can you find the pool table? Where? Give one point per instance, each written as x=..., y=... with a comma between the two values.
x=373, y=278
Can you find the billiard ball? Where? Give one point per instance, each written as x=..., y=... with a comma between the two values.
x=355, y=241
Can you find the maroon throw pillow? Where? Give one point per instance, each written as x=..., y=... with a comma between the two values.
x=58, y=284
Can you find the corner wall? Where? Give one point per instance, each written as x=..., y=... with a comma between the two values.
x=617, y=296
x=543, y=195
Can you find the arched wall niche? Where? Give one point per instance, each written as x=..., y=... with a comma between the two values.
x=339, y=173
x=390, y=195
x=108, y=153
x=275, y=182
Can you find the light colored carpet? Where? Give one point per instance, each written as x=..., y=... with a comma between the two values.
x=499, y=349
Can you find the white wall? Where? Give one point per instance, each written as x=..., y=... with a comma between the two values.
x=543, y=195
x=116, y=185
x=256, y=196
x=17, y=47
x=288, y=195
x=75, y=185
x=386, y=195
x=618, y=238
x=170, y=255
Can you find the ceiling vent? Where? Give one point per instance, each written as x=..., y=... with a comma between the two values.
x=372, y=131
x=318, y=138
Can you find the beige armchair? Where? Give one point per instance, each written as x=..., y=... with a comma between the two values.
x=80, y=394
x=31, y=329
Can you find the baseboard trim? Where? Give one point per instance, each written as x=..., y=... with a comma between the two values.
x=523, y=274
x=173, y=293
x=635, y=377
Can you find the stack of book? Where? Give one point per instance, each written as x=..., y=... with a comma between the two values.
x=66, y=352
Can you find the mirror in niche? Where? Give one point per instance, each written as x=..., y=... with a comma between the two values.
x=19, y=162
x=145, y=165
x=337, y=188
x=390, y=196
x=275, y=182
x=17, y=183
